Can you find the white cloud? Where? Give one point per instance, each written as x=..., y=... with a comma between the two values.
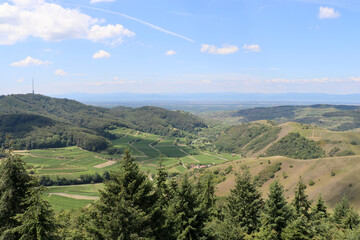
x=326, y=12
x=60, y=72
x=252, y=48
x=101, y=54
x=281, y=80
x=29, y=61
x=97, y=1
x=51, y=22
x=226, y=49
x=170, y=52
x=102, y=33
x=321, y=80
x=205, y=81
x=20, y=80
x=355, y=79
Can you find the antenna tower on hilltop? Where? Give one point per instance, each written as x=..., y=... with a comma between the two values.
x=33, y=92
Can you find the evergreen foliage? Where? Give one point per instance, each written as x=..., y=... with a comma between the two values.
x=244, y=204
x=15, y=183
x=132, y=207
x=301, y=202
x=295, y=146
x=128, y=204
x=276, y=213
x=38, y=221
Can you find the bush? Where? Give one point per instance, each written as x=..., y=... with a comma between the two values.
x=347, y=152
x=353, y=142
x=228, y=169
x=332, y=173
x=311, y=183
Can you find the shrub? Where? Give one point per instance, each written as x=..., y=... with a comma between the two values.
x=311, y=183
x=332, y=173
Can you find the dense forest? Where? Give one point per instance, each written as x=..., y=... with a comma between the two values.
x=295, y=146
x=36, y=121
x=132, y=206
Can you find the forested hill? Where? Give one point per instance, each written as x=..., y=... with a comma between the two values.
x=333, y=117
x=68, y=118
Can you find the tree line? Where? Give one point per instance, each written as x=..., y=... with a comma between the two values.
x=132, y=206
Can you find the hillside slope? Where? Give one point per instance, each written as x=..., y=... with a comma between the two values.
x=289, y=139
x=36, y=118
x=333, y=177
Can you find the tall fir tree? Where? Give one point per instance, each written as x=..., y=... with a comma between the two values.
x=319, y=210
x=276, y=213
x=15, y=183
x=186, y=213
x=207, y=198
x=301, y=202
x=127, y=208
x=299, y=229
x=345, y=216
x=38, y=220
x=244, y=204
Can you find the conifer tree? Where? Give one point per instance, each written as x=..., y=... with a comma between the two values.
x=37, y=222
x=319, y=210
x=244, y=204
x=207, y=197
x=15, y=182
x=345, y=216
x=341, y=210
x=301, y=202
x=299, y=229
x=276, y=213
x=127, y=207
x=186, y=212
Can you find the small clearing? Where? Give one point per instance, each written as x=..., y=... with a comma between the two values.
x=75, y=196
x=105, y=164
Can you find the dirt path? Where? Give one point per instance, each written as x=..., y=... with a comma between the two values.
x=105, y=164
x=285, y=129
x=75, y=196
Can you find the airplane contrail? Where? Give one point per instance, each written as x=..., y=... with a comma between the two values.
x=134, y=19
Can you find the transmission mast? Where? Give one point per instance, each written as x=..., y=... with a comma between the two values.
x=33, y=91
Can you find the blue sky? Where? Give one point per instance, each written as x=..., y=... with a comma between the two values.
x=157, y=46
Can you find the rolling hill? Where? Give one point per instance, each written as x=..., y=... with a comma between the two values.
x=332, y=117
x=291, y=139
x=37, y=121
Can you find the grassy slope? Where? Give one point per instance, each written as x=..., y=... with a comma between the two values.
x=332, y=188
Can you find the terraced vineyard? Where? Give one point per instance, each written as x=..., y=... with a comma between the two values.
x=147, y=149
